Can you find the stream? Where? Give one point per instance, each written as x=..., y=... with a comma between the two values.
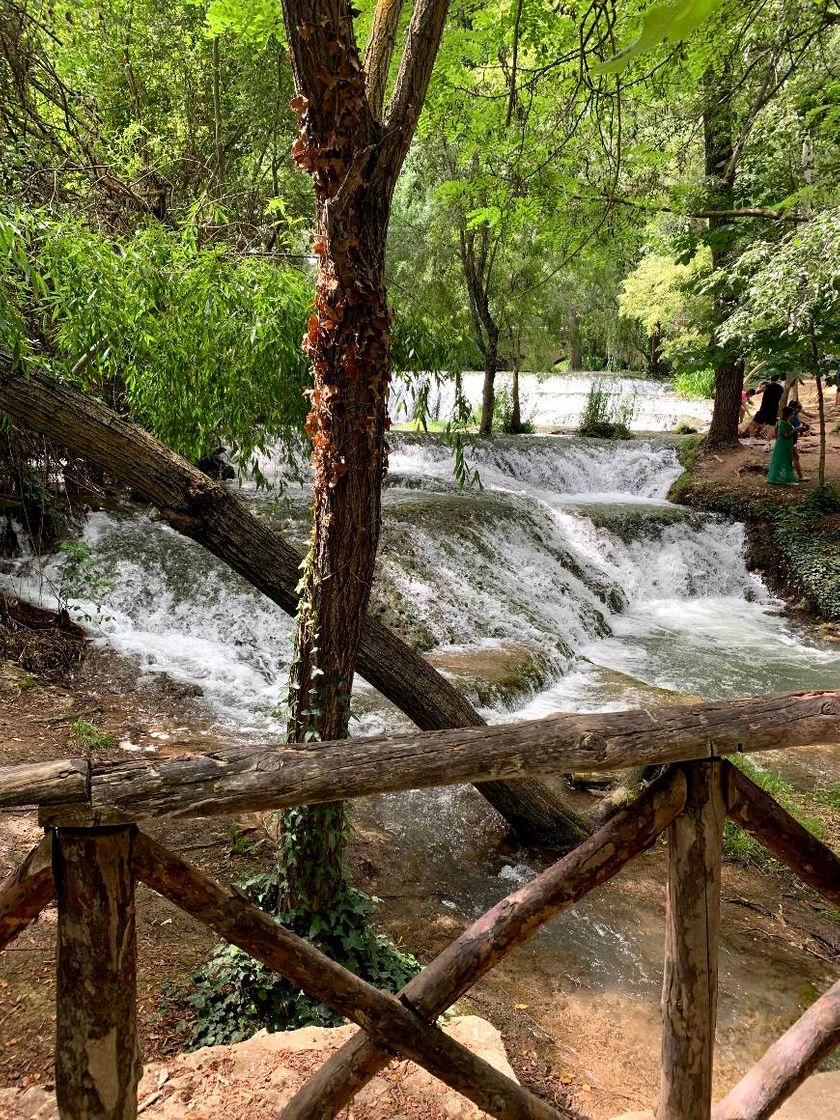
x=566, y=580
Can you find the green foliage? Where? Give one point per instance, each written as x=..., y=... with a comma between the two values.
x=692, y=383
x=242, y=843
x=234, y=995
x=673, y=20
x=788, y=295
x=203, y=346
x=809, y=536
x=89, y=738
x=606, y=415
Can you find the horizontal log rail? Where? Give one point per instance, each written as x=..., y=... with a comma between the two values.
x=95, y=869
x=262, y=778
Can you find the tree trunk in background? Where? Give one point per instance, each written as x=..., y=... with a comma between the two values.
x=655, y=353
x=516, y=410
x=575, y=346
x=720, y=175
x=488, y=390
x=353, y=158
x=821, y=414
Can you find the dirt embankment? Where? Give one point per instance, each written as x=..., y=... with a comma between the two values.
x=793, y=531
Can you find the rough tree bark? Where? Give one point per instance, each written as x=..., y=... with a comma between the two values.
x=719, y=149
x=575, y=345
x=213, y=515
x=353, y=159
x=477, y=262
x=516, y=408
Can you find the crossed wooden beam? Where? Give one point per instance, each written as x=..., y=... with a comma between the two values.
x=92, y=872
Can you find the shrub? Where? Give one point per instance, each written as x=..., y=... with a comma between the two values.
x=605, y=415
x=695, y=383
x=234, y=995
x=685, y=430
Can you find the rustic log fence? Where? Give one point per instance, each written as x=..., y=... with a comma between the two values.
x=94, y=853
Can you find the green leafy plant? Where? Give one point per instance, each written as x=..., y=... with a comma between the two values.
x=242, y=843
x=233, y=996
x=90, y=738
x=605, y=415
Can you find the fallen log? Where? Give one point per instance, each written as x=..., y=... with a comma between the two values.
x=763, y=817
x=788, y=1062
x=381, y=1015
x=214, y=516
x=26, y=891
x=248, y=779
x=495, y=934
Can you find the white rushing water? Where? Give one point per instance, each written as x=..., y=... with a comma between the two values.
x=568, y=551
x=558, y=400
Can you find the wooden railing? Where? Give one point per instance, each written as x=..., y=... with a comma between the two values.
x=94, y=853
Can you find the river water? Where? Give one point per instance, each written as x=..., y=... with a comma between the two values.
x=567, y=559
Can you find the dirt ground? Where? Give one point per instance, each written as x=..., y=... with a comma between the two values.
x=745, y=468
x=588, y=1045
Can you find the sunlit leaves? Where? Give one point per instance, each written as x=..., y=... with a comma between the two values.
x=202, y=346
x=674, y=21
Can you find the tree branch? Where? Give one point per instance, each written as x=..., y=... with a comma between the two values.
x=380, y=51
x=422, y=41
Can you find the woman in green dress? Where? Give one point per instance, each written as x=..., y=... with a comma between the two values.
x=781, y=461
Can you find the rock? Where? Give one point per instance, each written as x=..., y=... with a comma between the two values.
x=256, y=1078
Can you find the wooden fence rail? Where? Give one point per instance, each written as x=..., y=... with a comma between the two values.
x=93, y=854
x=241, y=779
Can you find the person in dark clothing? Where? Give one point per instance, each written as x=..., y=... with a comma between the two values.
x=768, y=411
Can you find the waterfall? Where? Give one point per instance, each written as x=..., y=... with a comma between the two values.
x=558, y=400
x=566, y=563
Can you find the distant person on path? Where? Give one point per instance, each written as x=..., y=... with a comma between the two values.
x=781, y=461
x=768, y=410
x=746, y=400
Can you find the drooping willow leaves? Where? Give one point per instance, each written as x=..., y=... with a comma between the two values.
x=200, y=346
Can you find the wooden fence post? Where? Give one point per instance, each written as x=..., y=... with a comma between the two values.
x=97, y=1064
x=692, y=924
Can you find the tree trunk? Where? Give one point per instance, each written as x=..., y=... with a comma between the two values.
x=488, y=391
x=516, y=410
x=720, y=175
x=211, y=514
x=575, y=348
x=726, y=412
x=655, y=353
x=821, y=414
x=348, y=342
